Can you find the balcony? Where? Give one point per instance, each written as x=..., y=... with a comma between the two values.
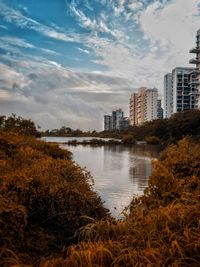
x=194, y=93
x=195, y=50
x=195, y=82
x=195, y=71
x=194, y=61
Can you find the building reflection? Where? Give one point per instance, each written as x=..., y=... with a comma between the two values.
x=139, y=173
x=119, y=172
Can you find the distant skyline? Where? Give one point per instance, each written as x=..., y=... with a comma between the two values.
x=70, y=62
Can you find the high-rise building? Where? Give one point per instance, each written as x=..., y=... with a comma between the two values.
x=195, y=82
x=141, y=105
x=133, y=109
x=107, y=123
x=150, y=104
x=124, y=124
x=116, y=116
x=159, y=109
x=182, y=89
x=112, y=122
x=168, y=95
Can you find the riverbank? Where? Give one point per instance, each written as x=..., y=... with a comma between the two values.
x=160, y=131
x=94, y=142
x=50, y=216
x=162, y=228
x=45, y=199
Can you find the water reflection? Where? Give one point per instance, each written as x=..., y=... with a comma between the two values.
x=119, y=172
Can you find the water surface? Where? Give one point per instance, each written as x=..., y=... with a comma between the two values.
x=119, y=172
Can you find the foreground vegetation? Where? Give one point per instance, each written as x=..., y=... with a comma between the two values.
x=163, y=227
x=44, y=199
x=49, y=215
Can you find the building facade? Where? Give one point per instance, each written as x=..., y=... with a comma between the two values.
x=133, y=109
x=195, y=82
x=116, y=116
x=159, y=109
x=124, y=124
x=182, y=79
x=112, y=122
x=168, y=95
x=150, y=104
x=143, y=106
x=107, y=123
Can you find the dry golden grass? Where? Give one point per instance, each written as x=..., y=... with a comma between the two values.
x=43, y=198
x=46, y=198
x=163, y=228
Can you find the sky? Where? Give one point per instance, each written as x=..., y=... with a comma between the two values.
x=69, y=62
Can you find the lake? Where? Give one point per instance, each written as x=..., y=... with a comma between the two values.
x=119, y=171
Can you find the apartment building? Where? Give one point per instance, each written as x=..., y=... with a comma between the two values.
x=133, y=109
x=183, y=97
x=116, y=116
x=112, y=122
x=159, y=109
x=168, y=96
x=143, y=106
x=195, y=81
x=150, y=108
x=107, y=122
x=124, y=124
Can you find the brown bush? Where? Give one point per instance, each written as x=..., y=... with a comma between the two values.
x=43, y=196
x=163, y=227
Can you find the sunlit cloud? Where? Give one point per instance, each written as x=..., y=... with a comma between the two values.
x=76, y=60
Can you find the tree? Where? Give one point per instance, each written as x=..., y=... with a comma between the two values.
x=19, y=125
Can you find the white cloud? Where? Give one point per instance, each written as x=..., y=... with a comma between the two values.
x=174, y=25
x=138, y=55
x=96, y=25
x=169, y=31
x=135, y=5
x=63, y=97
x=15, y=16
x=12, y=44
x=84, y=50
x=10, y=77
x=14, y=41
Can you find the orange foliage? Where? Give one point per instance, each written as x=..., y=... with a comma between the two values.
x=163, y=227
x=43, y=196
x=46, y=198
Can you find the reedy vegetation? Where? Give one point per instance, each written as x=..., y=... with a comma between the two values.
x=163, y=227
x=44, y=194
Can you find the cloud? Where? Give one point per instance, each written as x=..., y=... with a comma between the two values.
x=84, y=50
x=16, y=45
x=168, y=30
x=10, y=77
x=98, y=25
x=47, y=90
x=128, y=43
x=179, y=15
x=135, y=5
x=15, y=16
